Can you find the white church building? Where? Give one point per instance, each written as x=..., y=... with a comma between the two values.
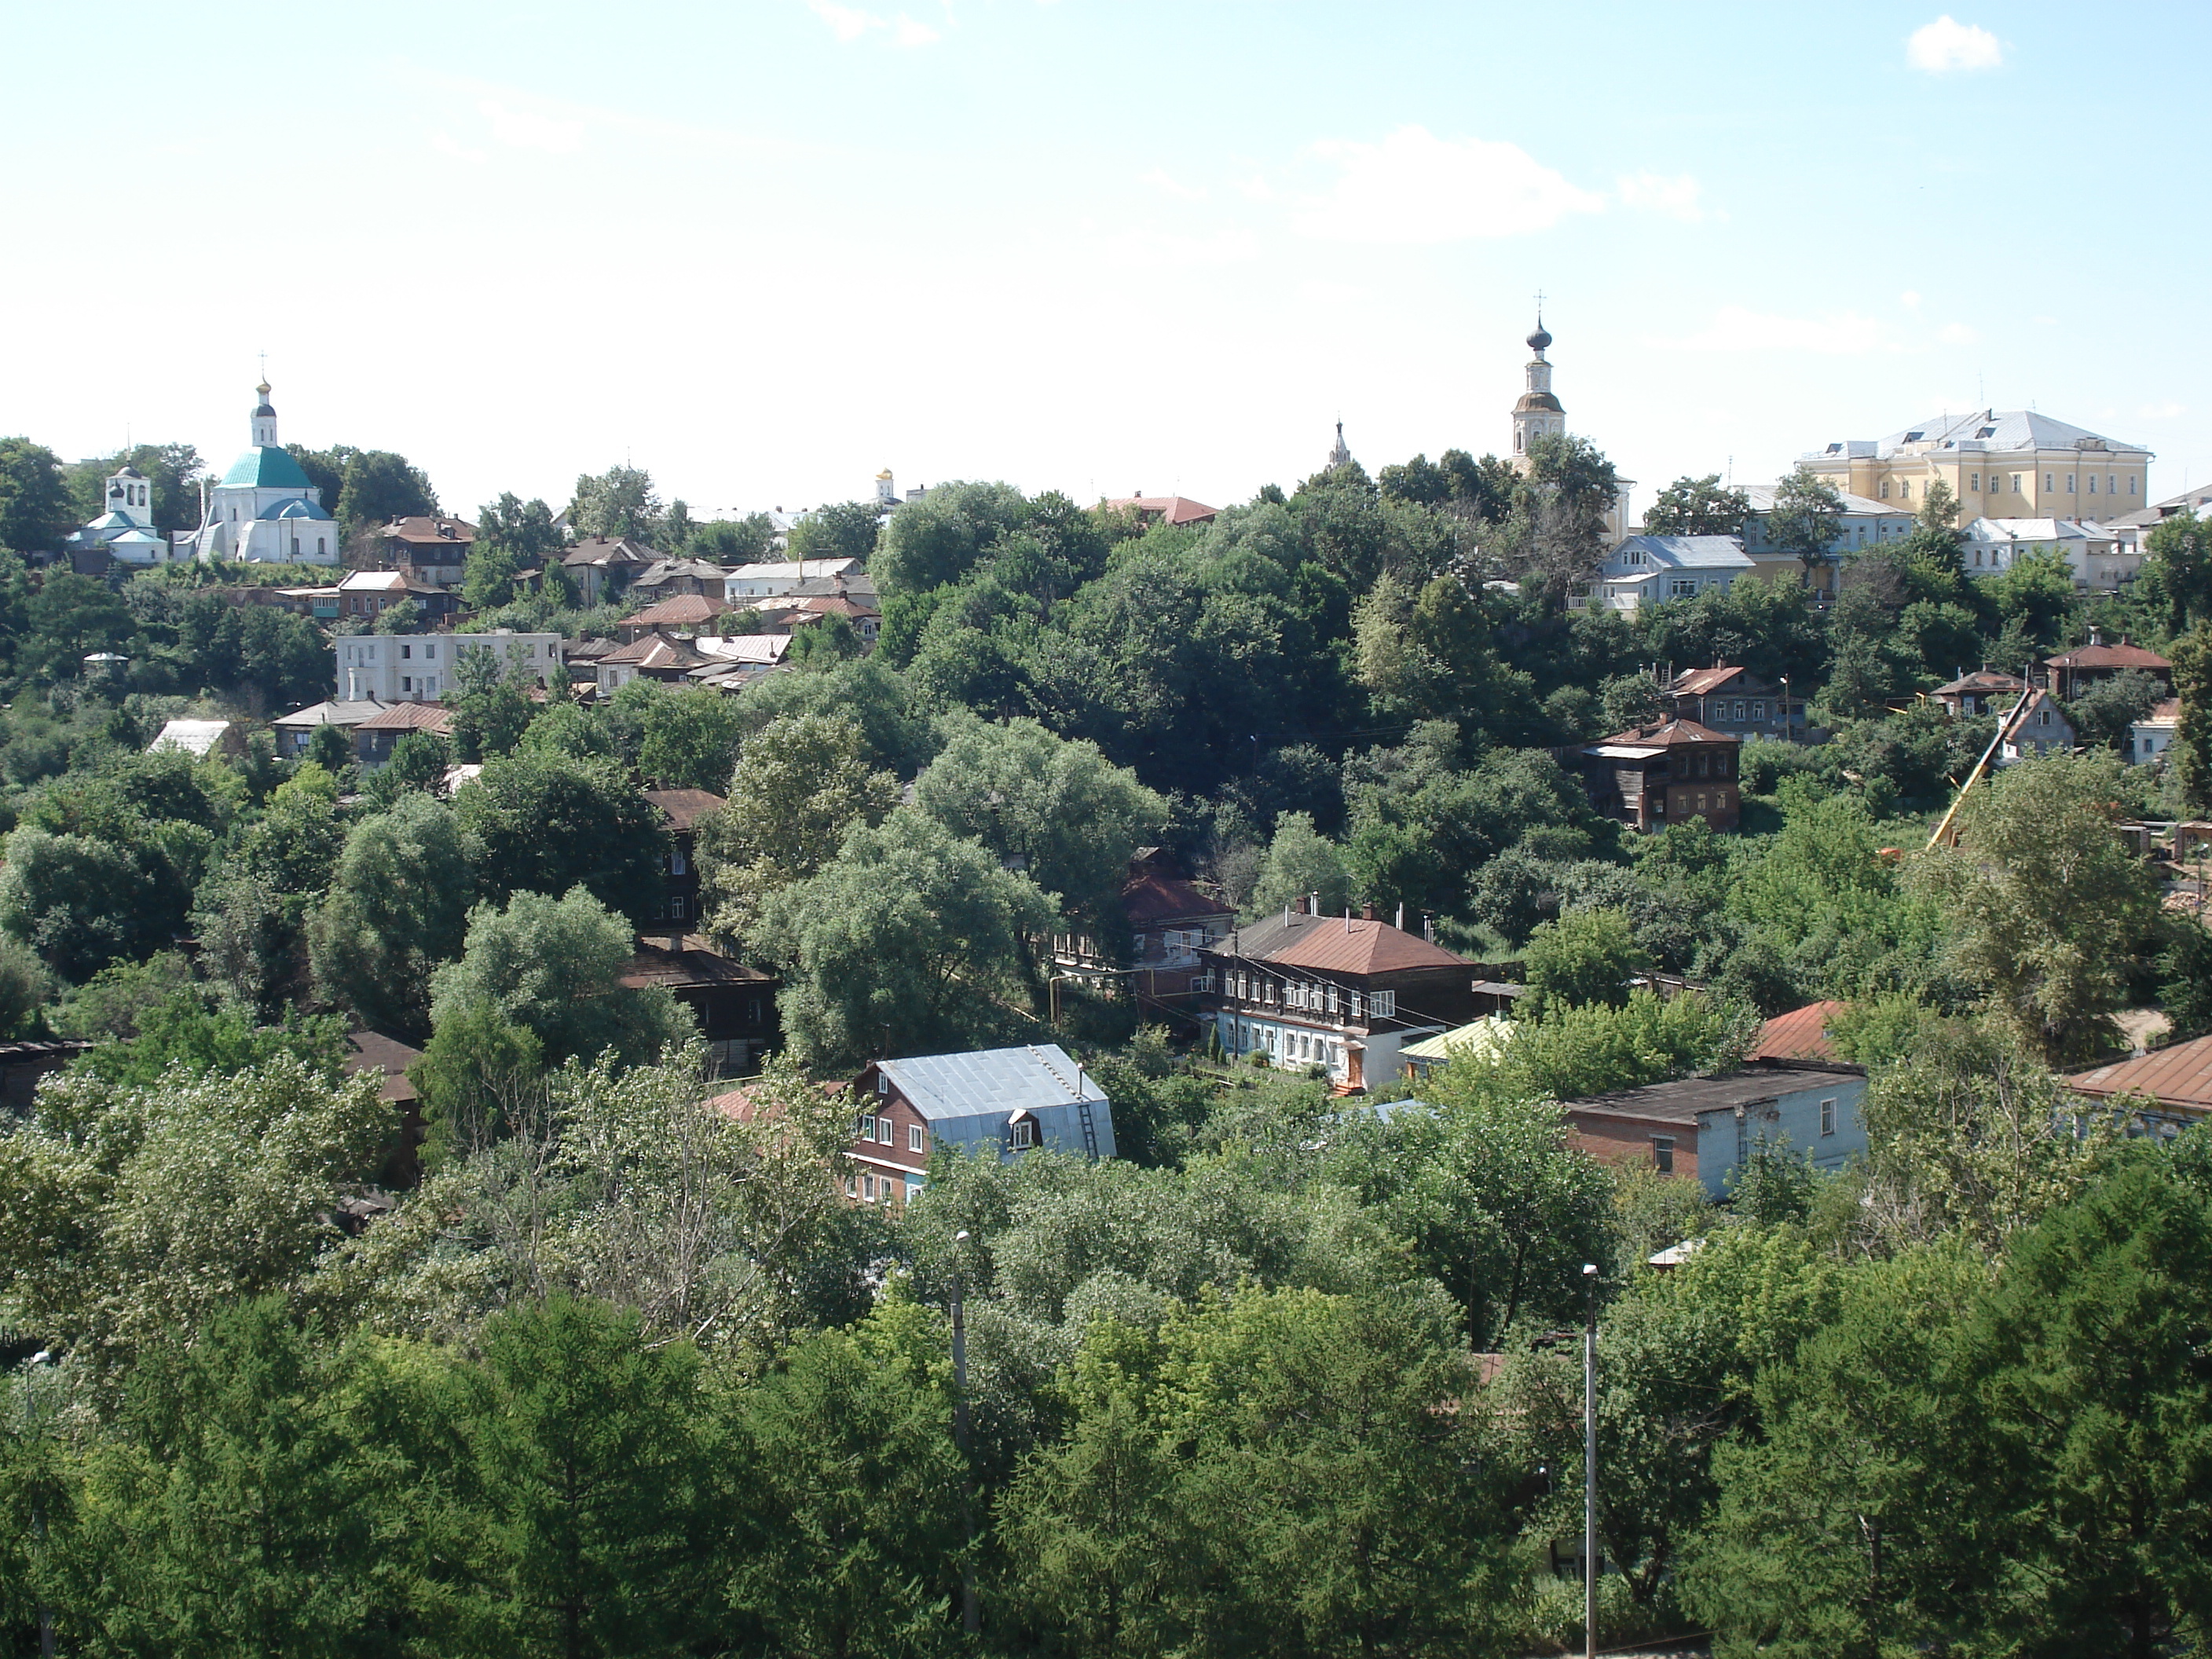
x=126, y=528
x=264, y=511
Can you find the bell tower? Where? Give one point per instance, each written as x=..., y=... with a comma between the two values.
x=264, y=420
x=1538, y=414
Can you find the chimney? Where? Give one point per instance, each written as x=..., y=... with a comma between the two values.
x=1400, y=923
x=1367, y=911
x=1313, y=905
x=1347, y=917
x=2096, y=634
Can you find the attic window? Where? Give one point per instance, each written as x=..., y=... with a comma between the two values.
x=1987, y=432
x=1025, y=1134
x=1914, y=437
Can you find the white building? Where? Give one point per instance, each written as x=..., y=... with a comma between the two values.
x=2150, y=737
x=1866, y=523
x=770, y=581
x=391, y=668
x=264, y=511
x=126, y=528
x=1651, y=569
x=2097, y=557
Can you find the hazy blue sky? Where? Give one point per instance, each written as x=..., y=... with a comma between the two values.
x=766, y=247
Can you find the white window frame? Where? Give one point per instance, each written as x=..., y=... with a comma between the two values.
x=1382, y=1004
x=914, y=1137
x=1828, y=1117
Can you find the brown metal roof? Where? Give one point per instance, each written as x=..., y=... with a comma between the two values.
x=1984, y=680
x=695, y=963
x=1151, y=898
x=419, y=528
x=1668, y=734
x=410, y=717
x=2121, y=655
x=1336, y=944
x=1801, y=1033
x=679, y=611
x=1703, y=682
x=607, y=550
x=1175, y=509
x=684, y=808
x=2179, y=1076
x=1679, y=1101
x=656, y=651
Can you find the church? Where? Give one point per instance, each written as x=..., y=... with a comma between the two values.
x=264, y=511
x=126, y=530
x=1539, y=414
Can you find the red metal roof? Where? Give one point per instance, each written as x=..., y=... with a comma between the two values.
x=656, y=651
x=1668, y=733
x=2123, y=655
x=1175, y=509
x=682, y=611
x=1703, y=682
x=1151, y=898
x=2179, y=1076
x=409, y=717
x=1801, y=1033
x=1335, y=944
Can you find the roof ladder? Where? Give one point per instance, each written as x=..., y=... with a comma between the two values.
x=1090, y=1127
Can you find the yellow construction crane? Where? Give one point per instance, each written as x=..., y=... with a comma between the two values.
x=1947, y=833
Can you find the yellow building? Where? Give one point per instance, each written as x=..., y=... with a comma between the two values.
x=2000, y=464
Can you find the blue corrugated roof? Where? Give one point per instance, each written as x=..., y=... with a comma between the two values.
x=990, y=1080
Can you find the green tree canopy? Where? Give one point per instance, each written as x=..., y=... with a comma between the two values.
x=399, y=906
x=544, y=824
x=1698, y=507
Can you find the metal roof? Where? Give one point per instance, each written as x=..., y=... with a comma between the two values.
x=265, y=468
x=1333, y=944
x=1686, y=552
x=1681, y=1101
x=991, y=1081
x=2179, y=1077
x=1801, y=1033
x=2018, y=429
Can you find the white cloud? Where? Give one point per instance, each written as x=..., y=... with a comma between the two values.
x=1414, y=187
x=1160, y=179
x=1909, y=300
x=850, y=23
x=521, y=129
x=1958, y=334
x=1736, y=328
x=1678, y=197
x=1947, y=44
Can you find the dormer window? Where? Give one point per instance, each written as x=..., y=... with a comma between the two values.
x=1024, y=1134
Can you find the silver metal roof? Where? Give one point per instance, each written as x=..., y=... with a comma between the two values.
x=991, y=1081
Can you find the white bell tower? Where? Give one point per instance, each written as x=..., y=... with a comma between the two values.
x=265, y=420
x=1538, y=414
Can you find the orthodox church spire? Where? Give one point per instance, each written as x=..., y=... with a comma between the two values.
x=264, y=420
x=1538, y=414
x=1337, y=454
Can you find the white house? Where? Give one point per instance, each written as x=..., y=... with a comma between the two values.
x=2152, y=735
x=2037, y=726
x=2097, y=557
x=1865, y=523
x=770, y=581
x=264, y=511
x=1652, y=569
x=389, y=668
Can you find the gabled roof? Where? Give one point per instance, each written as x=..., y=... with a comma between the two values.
x=1703, y=682
x=608, y=549
x=1151, y=898
x=335, y=711
x=2179, y=1076
x=1172, y=509
x=420, y=529
x=2167, y=712
x=990, y=1082
x=1335, y=944
x=193, y=737
x=1484, y=1038
x=655, y=650
x=1664, y=734
x=1990, y=530
x=2123, y=655
x=385, y=581
x=372, y=1053
x=694, y=962
x=410, y=717
x=2017, y=722
x=791, y=570
x=1983, y=680
x=679, y=611
x=684, y=808
x=1801, y=1033
x=664, y=570
x=1684, y=553
x=744, y=647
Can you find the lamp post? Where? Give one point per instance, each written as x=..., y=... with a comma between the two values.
x=38, y=1509
x=1590, y=1463
x=969, y=1620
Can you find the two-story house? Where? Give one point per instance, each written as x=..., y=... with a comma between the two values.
x=1984, y=691
x=422, y=668
x=1729, y=698
x=665, y=579
x=772, y=578
x=600, y=568
x=1706, y=1128
x=374, y=738
x=1169, y=922
x=2038, y=727
x=681, y=810
x=429, y=546
x=679, y=613
x=1344, y=993
x=732, y=1005
x=992, y=1103
x=366, y=595
x=1650, y=776
x=2072, y=672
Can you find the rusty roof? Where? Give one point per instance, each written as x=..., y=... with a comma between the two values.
x=684, y=808
x=2179, y=1076
x=608, y=549
x=2123, y=655
x=422, y=527
x=1801, y=1033
x=694, y=962
x=655, y=650
x=1175, y=509
x=1151, y=898
x=1668, y=734
x=373, y=1054
x=1683, y=1099
x=1985, y=679
x=1702, y=681
x=679, y=611
x=409, y=717
x=1336, y=944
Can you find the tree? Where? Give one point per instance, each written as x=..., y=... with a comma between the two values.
x=1058, y=811
x=837, y=530
x=2105, y=712
x=800, y=783
x=1301, y=864
x=82, y=902
x=399, y=906
x=1429, y=656
x=936, y=540
x=1805, y=519
x=555, y=967
x=912, y=941
x=1584, y=957
x=620, y=501
x=544, y=824
x=689, y=738
x=2037, y=893
x=174, y=473
x=330, y=748
x=592, y=1484
x=1555, y=534
x=2191, y=752
x=67, y=619
x=734, y=541
x=418, y=764
x=2179, y=567
x=35, y=504
x=381, y=486
x=1698, y=507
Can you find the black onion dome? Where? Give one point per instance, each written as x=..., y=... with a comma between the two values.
x=1540, y=339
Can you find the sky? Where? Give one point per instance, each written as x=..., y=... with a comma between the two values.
x=764, y=248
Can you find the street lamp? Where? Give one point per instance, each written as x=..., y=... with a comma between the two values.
x=38, y=1509
x=969, y=1619
x=1590, y=1463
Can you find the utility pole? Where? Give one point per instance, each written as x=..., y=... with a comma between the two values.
x=1589, y=1464
x=38, y=1509
x=969, y=1621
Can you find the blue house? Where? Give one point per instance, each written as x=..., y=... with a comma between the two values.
x=1707, y=1127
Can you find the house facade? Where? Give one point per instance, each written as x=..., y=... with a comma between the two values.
x=992, y=1103
x=1650, y=776
x=1344, y=993
x=1648, y=570
x=1865, y=523
x=374, y=738
x=2072, y=672
x=1730, y=699
x=1998, y=464
x=770, y=580
x=420, y=667
x=430, y=547
x=2150, y=737
x=601, y=567
x=1708, y=1127
x=681, y=810
x=1984, y=691
x=732, y=1005
x=2098, y=558
x=365, y=595
x=1169, y=923
x=296, y=730
x=2038, y=727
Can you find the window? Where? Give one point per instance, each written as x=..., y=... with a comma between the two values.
x=1974, y=482
x=675, y=860
x=2015, y=483
x=1905, y=489
x=1704, y=766
x=2042, y=718
x=867, y=1125
x=430, y=652
x=1681, y=587
x=914, y=1137
x=1383, y=1005
x=2069, y=483
x=676, y=908
x=406, y=650
x=1720, y=766
x=2050, y=483
x=2131, y=486
x=1662, y=1154
x=1884, y=490
x=868, y=1188
x=1758, y=710
x=322, y=544
x=1827, y=1117
x=1025, y=1134
x=851, y=1185
x=1331, y=1000
x=295, y=547
x=1739, y=711
x=885, y=1127
x=2093, y=484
